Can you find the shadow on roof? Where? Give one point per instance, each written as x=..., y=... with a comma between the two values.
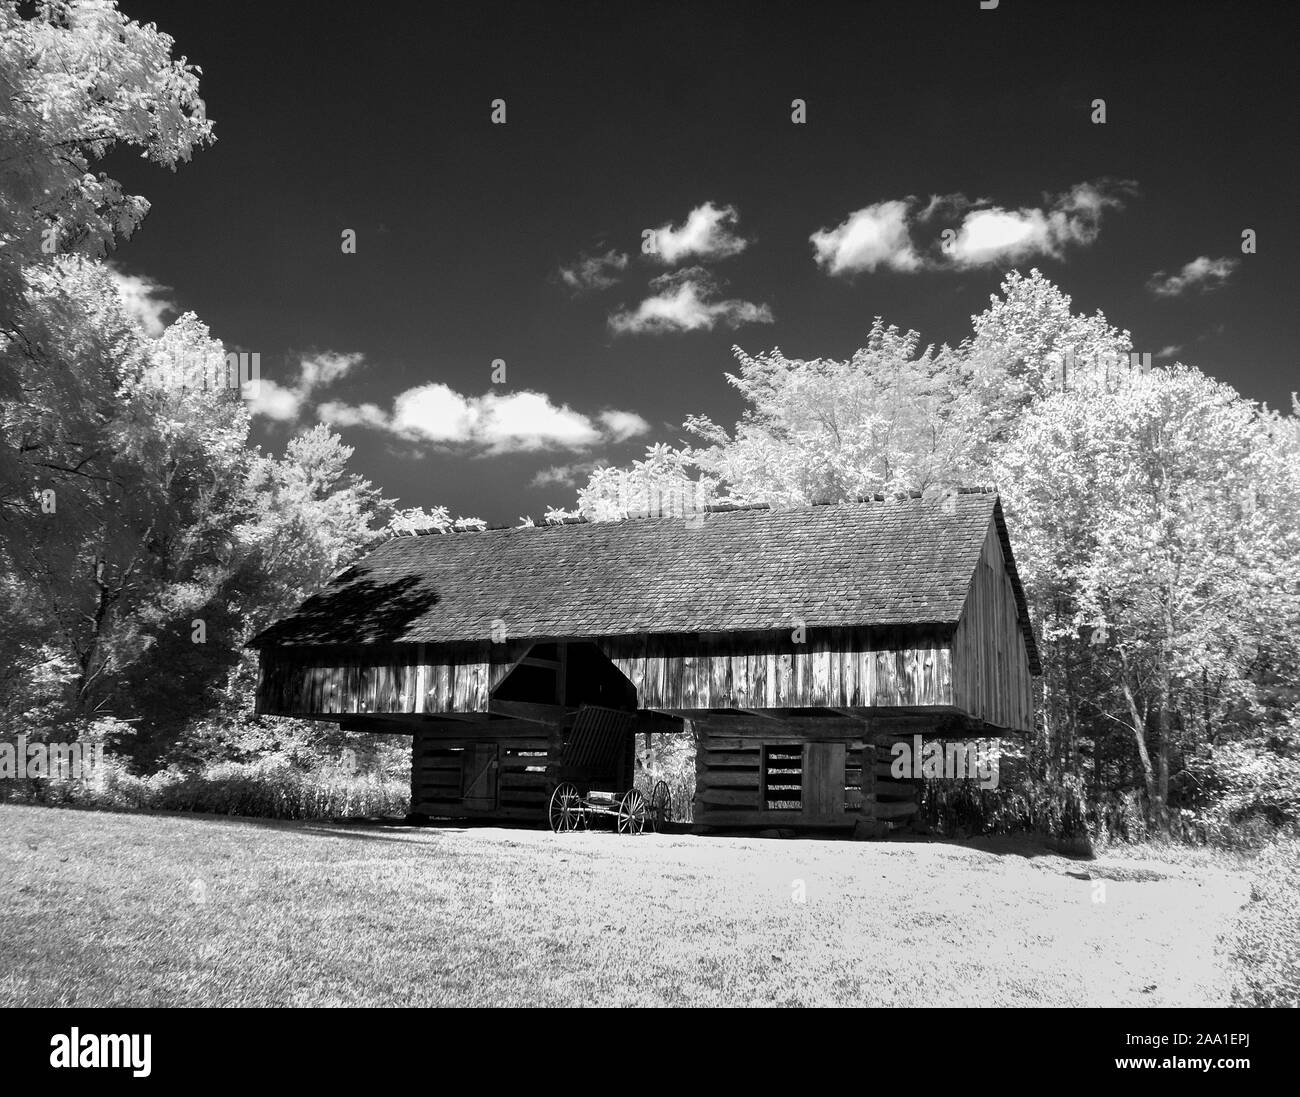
x=360, y=612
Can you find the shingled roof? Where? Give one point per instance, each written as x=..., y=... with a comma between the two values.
x=886, y=563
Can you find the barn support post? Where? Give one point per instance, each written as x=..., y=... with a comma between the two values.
x=868, y=826
x=700, y=733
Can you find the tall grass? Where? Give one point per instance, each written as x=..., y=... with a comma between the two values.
x=1265, y=942
x=270, y=788
x=1059, y=810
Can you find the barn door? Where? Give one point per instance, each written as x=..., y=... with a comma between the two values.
x=823, y=781
x=480, y=776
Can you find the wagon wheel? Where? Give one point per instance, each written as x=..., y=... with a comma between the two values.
x=661, y=805
x=633, y=813
x=565, y=812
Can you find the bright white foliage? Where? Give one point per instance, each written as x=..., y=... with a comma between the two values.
x=77, y=80
x=1155, y=515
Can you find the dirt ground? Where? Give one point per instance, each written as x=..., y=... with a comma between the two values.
x=103, y=909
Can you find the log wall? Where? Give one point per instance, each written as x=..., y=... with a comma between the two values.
x=445, y=761
x=799, y=771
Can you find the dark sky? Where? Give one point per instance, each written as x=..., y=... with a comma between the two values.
x=627, y=116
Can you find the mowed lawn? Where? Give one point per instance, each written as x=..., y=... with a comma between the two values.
x=104, y=909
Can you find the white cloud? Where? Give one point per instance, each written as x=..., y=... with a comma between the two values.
x=433, y=413
x=321, y=370
x=286, y=402
x=987, y=236
x=528, y=420
x=708, y=233
x=568, y=476
x=686, y=300
x=143, y=300
x=338, y=414
x=623, y=425
x=1169, y=351
x=496, y=423
x=868, y=238
x=979, y=233
x=997, y=235
x=1202, y=273
x=590, y=273
x=274, y=401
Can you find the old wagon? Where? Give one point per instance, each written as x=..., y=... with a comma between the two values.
x=591, y=767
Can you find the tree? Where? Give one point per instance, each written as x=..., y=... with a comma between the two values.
x=825, y=430
x=1026, y=345
x=77, y=80
x=309, y=518
x=146, y=541
x=892, y=418
x=660, y=484
x=1156, y=534
x=142, y=540
x=305, y=518
x=138, y=476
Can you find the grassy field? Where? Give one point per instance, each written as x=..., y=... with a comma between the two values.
x=107, y=909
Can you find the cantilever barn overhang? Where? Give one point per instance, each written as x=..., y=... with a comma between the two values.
x=795, y=644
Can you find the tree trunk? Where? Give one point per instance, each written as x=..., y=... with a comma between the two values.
x=1161, y=803
x=1139, y=736
x=1166, y=719
x=89, y=658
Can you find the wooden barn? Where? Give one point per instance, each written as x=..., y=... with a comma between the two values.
x=795, y=644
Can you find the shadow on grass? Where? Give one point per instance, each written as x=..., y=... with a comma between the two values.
x=392, y=828
x=1031, y=845
x=1028, y=846
x=364, y=829
x=396, y=828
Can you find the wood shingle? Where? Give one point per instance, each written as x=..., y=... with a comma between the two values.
x=896, y=562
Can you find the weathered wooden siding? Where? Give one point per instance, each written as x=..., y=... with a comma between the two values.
x=833, y=669
x=982, y=669
x=990, y=663
x=404, y=679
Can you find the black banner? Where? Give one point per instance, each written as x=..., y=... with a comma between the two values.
x=87, y=1047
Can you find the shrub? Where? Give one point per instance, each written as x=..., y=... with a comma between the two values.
x=672, y=761
x=1055, y=810
x=1256, y=787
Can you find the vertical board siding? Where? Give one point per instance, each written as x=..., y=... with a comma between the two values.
x=825, y=673
x=982, y=668
x=713, y=673
x=990, y=663
x=298, y=682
